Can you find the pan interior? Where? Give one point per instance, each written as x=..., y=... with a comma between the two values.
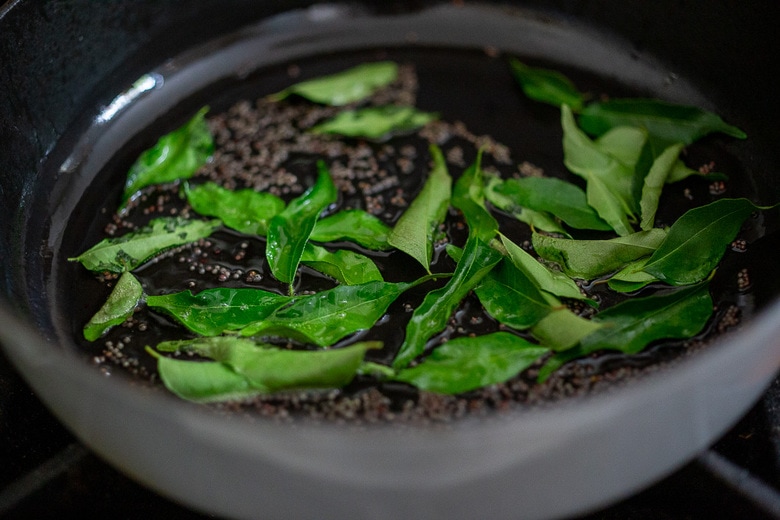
x=464, y=79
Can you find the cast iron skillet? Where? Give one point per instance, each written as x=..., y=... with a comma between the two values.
x=66, y=67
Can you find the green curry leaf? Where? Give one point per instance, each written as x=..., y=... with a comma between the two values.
x=666, y=123
x=354, y=225
x=415, y=230
x=375, y=123
x=590, y=259
x=468, y=196
x=129, y=251
x=288, y=231
x=175, y=156
x=555, y=196
x=246, y=211
x=120, y=305
x=561, y=329
x=222, y=309
x=345, y=266
x=202, y=381
x=467, y=363
x=554, y=282
x=654, y=182
x=271, y=369
x=547, y=86
x=609, y=181
x=345, y=87
x=511, y=297
x=431, y=316
x=328, y=316
x=697, y=240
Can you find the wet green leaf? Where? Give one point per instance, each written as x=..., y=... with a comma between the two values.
x=120, y=305
x=345, y=266
x=547, y=86
x=433, y=313
x=609, y=188
x=561, y=329
x=511, y=297
x=202, y=381
x=246, y=211
x=375, y=123
x=666, y=123
x=176, y=155
x=354, y=225
x=468, y=196
x=539, y=220
x=288, y=231
x=129, y=251
x=631, y=277
x=697, y=240
x=654, y=182
x=345, y=87
x=415, y=230
x=468, y=363
x=680, y=171
x=271, y=369
x=590, y=259
x=633, y=324
x=222, y=309
x=554, y=282
x=555, y=196
x=328, y=316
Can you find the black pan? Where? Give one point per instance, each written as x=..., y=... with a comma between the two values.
x=67, y=103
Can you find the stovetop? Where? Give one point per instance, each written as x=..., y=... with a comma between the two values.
x=47, y=473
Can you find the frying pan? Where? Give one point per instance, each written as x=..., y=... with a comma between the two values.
x=68, y=100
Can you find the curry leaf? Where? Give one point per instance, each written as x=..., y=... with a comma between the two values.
x=414, y=231
x=665, y=122
x=467, y=363
x=697, y=240
x=547, y=86
x=129, y=251
x=347, y=267
x=609, y=181
x=633, y=324
x=468, y=196
x=328, y=316
x=654, y=183
x=246, y=211
x=271, y=369
x=354, y=225
x=431, y=316
x=175, y=156
x=511, y=297
x=288, y=231
x=536, y=219
x=590, y=259
x=631, y=277
x=561, y=329
x=202, y=381
x=120, y=305
x=554, y=282
x=345, y=87
x=375, y=122
x=218, y=310
x=560, y=198
x=624, y=143
x=680, y=171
